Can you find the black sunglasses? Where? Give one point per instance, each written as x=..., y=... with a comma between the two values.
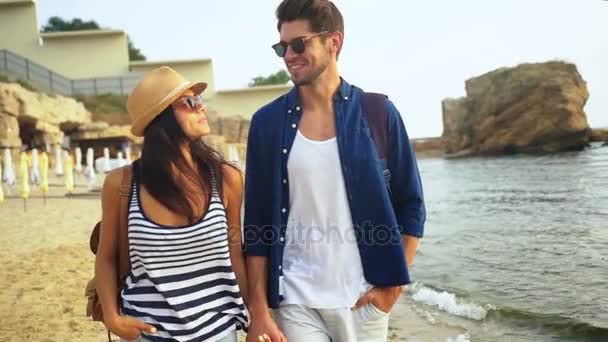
x=298, y=45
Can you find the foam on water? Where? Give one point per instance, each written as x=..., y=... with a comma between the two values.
x=447, y=302
x=459, y=338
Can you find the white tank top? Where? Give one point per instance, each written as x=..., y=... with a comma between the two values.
x=321, y=265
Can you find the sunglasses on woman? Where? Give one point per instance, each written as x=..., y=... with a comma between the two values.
x=298, y=45
x=191, y=102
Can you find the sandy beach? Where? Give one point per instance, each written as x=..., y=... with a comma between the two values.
x=46, y=263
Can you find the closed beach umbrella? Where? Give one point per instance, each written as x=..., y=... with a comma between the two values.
x=121, y=160
x=8, y=175
x=1, y=192
x=58, y=161
x=35, y=170
x=24, y=184
x=233, y=155
x=90, y=169
x=44, y=174
x=68, y=166
x=78, y=162
x=128, y=155
x=106, y=160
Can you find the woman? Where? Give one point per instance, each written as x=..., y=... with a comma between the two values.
x=187, y=280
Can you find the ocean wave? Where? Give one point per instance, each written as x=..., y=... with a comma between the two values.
x=557, y=324
x=553, y=324
x=447, y=302
x=459, y=338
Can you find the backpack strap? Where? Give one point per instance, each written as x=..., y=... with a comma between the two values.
x=374, y=109
x=124, y=262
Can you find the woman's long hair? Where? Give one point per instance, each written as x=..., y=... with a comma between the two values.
x=162, y=159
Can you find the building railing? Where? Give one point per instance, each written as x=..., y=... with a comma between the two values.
x=15, y=66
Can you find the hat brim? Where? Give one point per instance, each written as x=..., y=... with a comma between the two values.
x=139, y=126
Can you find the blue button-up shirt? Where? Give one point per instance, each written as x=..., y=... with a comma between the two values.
x=382, y=208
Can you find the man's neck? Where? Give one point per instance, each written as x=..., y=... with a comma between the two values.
x=319, y=94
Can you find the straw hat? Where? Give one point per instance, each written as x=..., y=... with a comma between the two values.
x=155, y=92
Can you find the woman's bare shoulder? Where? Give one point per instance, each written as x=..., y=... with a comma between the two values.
x=233, y=180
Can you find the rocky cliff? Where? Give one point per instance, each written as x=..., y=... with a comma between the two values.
x=531, y=108
x=36, y=119
x=30, y=117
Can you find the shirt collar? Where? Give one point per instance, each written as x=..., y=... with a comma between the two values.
x=293, y=97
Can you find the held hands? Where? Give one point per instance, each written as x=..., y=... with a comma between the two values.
x=264, y=329
x=264, y=338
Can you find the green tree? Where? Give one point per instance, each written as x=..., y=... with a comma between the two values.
x=56, y=24
x=134, y=53
x=280, y=77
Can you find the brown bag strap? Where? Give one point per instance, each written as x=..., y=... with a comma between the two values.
x=124, y=262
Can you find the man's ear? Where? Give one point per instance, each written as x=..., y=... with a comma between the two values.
x=336, y=40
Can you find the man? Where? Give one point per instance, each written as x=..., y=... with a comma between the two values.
x=324, y=231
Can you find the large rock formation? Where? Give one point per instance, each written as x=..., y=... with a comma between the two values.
x=234, y=128
x=527, y=109
x=33, y=118
x=9, y=131
x=428, y=147
x=36, y=118
x=228, y=133
x=218, y=142
x=599, y=135
x=102, y=130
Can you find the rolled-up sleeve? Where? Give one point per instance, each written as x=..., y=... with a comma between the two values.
x=258, y=209
x=406, y=186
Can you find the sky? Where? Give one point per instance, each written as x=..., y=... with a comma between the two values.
x=417, y=52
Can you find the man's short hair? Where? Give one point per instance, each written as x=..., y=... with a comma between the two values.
x=323, y=15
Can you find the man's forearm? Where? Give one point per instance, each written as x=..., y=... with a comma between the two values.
x=257, y=271
x=410, y=245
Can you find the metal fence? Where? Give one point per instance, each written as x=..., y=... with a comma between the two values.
x=15, y=66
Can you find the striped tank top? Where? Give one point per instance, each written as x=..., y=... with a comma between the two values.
x=181, y=279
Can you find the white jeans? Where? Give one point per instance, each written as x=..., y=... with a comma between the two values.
x=303, y=324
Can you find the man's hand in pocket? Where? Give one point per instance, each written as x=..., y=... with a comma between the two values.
x=382, y=298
